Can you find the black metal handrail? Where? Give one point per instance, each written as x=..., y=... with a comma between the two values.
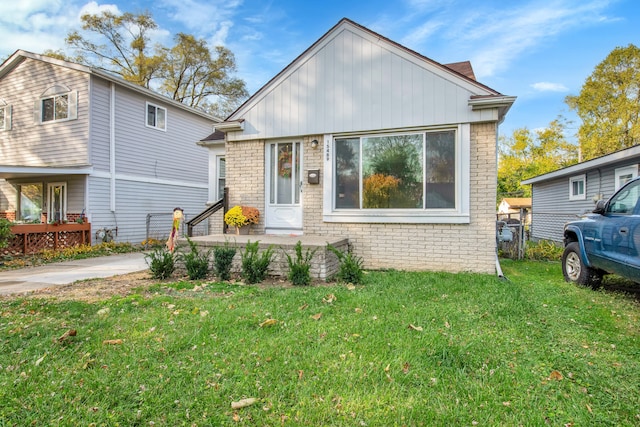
x=220, y=204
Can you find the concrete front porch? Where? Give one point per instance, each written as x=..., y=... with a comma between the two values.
x=324, y=263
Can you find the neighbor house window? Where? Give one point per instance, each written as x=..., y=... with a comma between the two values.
x=156, y=117
x=30, y=202
x=57, y=104
x=402, y=177
x=577, y=187
x=5, y=116
x=624, y=175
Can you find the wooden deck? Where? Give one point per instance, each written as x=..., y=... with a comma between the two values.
x=323, y=265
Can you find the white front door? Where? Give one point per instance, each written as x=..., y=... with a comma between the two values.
x=283, y=187
x=57, y=201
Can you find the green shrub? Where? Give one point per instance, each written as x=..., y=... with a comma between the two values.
x=350, y=270
x=254, y=265
x=195, y=262
x=543, y=250
x=161, y=262
x=5, y=232
x=299, y=269
x=223, y=259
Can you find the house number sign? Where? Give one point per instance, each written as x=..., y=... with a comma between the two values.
x=327, y=149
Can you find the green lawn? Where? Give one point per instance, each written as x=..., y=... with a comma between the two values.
x=405, y=349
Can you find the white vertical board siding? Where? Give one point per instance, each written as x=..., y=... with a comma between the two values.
x=152, y=153
x=29, y=143
x=355, y=82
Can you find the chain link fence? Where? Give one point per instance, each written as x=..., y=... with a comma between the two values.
x=159, y=226
x=512, y=233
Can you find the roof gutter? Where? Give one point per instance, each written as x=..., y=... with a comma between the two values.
x=483, y=102
x=230, y=126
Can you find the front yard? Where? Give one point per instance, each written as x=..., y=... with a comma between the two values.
x=403, y=349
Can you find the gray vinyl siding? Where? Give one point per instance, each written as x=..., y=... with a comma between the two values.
x=134, y=200
x=8, y=196
x=29, y=143
x=551, y=207
x=353, y=82
x=148, y=152
x=100, y=124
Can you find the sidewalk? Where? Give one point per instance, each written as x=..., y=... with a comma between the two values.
x=63, y=273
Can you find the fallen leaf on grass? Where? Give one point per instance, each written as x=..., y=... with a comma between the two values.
x=329, y=299
x=112, y=342
x=69, y=333
x=351, y=286
x=300, y=374
x=243, y=403
x=268, y=322
x=316, y=316
x=39, y=361
x=415, y=328
x=555, y=375
x=303, y=307
x=405, y=367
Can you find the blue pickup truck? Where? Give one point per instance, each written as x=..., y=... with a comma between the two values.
x=605, y=241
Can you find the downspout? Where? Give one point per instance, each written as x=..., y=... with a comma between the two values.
x=112, y=149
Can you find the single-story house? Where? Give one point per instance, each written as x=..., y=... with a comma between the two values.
x=78, y=142
x=513, y=207
x=565, y=194
x=364, y=138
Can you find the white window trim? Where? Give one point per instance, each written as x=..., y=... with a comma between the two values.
x=53, y=92
x=6, y=123
x=460, y=215
x=19, y=198
x=632, y=169
x=578, y=178
x=146, y=116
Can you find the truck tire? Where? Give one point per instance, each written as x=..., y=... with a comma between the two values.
x=575, y=270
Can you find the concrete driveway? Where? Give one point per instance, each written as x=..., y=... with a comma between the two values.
x=63, y=273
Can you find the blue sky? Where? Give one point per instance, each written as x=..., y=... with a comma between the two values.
x=537, y=50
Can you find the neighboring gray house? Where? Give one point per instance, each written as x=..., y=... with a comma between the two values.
x=362, y=138
x=566, y=194
x=76, y=141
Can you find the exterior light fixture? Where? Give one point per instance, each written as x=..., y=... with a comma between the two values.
x=314, y=144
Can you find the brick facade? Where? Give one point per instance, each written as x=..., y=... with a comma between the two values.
x=438, y=247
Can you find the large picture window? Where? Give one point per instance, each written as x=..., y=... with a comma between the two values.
x=405, y=171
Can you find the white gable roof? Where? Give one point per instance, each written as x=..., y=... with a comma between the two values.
x=353, y=79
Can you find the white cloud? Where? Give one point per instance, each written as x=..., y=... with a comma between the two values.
x=549, y=87
x=422, y=33
x=35, y=25
x=490, y=34
x=209, y=19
